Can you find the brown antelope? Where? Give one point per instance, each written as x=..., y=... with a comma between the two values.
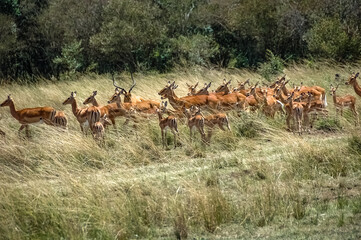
x=79, y=113
x=345, y=101
x=298, y=111
x=353, y=81
x=270, y=104
x=165, y=123
x=192, y=89
x=28, y=116
x=242, y=87
x=98, y=129
x=288, y=102
x=186, y=102
x=60, y=119
x=195, y=121
x=128, y=97
x=112, y=110
x=318, y=93
x=223, y=88
x=202, y=91
x=213, y=120
x=144, y=106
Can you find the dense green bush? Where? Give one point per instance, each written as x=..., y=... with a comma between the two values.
x=36, y=38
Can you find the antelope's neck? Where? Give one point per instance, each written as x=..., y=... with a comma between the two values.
x=74, y=107
x=160, y=116
x=357, y=88
x=284, y=90
x=174, y=101
x=334, y=98
x=13, y=111
x=95, y=103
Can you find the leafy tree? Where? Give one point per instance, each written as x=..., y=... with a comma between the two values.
x=130, y=29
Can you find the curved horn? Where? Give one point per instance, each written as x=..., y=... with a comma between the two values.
x=116, y=87
x=131, y=88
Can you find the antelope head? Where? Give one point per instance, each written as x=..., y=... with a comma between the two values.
x=127, y=94
x=192, y=89
x=352, y=79
x=70, y=99
x=7, y=102
x=224, y=87
x=168, y=90
x=91, y=99
x=333, y=89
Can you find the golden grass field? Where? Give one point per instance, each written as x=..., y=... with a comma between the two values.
x=258, y=181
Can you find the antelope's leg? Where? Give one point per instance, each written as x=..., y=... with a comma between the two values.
x=175, y=137
x=162, y=132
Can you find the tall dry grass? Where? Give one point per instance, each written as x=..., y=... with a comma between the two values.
x=258, y=180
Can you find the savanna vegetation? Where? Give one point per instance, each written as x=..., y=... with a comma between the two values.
x=62, y=37
x=258, y=180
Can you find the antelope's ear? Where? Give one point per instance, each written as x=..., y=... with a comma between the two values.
x=356, y=75
x=196, y=85
x=95, y=93
x=188, y=85
x=166, y=103
x=224, y=81
x=9, y=96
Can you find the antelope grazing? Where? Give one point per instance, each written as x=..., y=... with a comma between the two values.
x=28, y=116
x=98, y=129
x=79, y=113
x=195, y=121
x=345, y=101
x=165, y=123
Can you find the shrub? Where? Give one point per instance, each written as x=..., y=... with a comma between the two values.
x=273, y=66
x=328, y=38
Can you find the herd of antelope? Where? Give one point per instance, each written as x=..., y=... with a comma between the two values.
x=300, y=104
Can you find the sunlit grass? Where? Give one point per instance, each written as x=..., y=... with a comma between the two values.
x=258, y=180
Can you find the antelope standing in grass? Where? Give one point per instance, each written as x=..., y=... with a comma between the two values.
x=345, y=101
x=195, y=121
x=29, y=116
x=213, y=120
x=79, y=113
x=98, y=129
x=165, y=123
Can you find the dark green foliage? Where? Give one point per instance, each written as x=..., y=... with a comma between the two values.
x=158, y=35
